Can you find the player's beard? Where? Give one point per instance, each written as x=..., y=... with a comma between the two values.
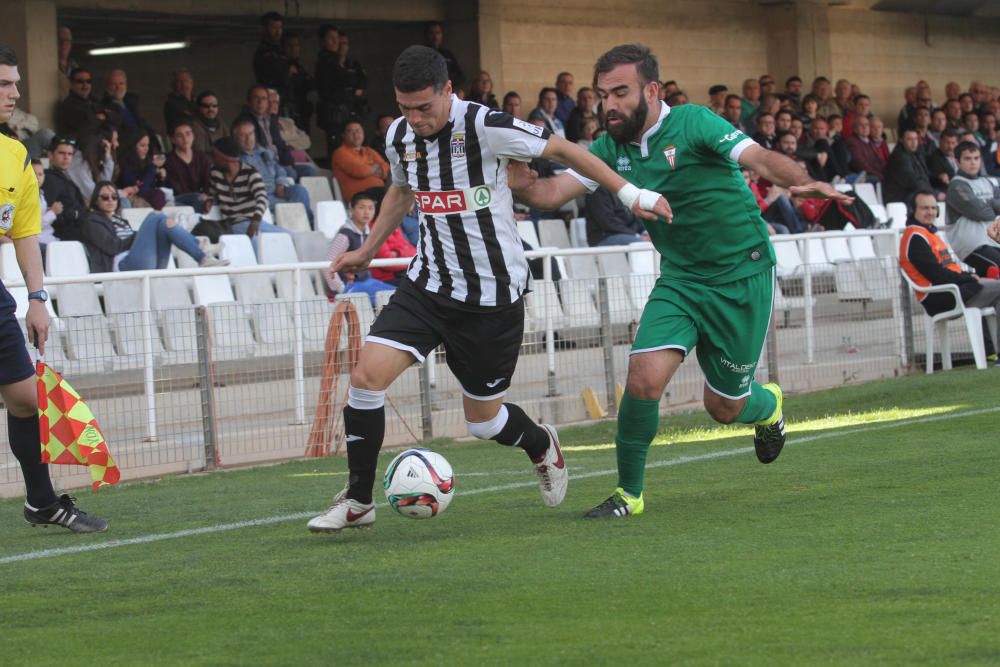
x=628, y=128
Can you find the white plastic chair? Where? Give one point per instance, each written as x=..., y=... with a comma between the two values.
x=338, y=194
x=135, y=216
x=9, y=269
x=578, y=232
x=526, y=230
x=66, y=258
x=897, y=214
x=330, y=217
x=553, y=233
x=292, y=216
x=937, y=325
x=319, y=190
x=238, y=249
x=866, y=193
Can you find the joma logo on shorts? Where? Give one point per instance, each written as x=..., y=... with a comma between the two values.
x=734, y=367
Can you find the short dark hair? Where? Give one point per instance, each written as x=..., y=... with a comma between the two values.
x=784, y=133
x=949, y=132
x=61, y=140
x=861, y=96
x=419, y=67
x=510, y=95
x=629, y=54
x=547, y=89
x=270, y=16
x=733, y=97
x=8, y=56
x=203, y=94
x=717, y=88
x=969, y=113
x=360, y=196
x=37, y=161
x=764, y=115
x=183, y=122
x=793, y=78
x=820, y=78
x=669, y=83
x=674, y=95
x=967, y=147
x=969, y=95
x=243, y=119
x=784, y=112
x=100, y=185
x=325, y=28
x=255, y=87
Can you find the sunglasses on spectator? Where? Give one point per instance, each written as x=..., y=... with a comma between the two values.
x=83, y=81
x=58, y=141
x=112, y=197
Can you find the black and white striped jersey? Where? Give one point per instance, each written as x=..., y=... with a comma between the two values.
x=469, y=248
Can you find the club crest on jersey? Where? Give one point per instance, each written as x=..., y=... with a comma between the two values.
x=458, y=145
x=6, y=217
x=670, y=152
x=623, y=164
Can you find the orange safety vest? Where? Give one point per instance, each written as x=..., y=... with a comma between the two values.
x=938, y=247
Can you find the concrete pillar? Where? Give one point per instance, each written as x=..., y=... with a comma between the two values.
x=29, y=27
x=798, y=41
x=491, y=55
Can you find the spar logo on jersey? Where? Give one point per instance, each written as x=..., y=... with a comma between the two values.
x=458, y=145
x=623, y=164
x=454, y=201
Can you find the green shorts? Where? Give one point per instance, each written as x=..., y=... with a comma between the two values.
x=726, y=323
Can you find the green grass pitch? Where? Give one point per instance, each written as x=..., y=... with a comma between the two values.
x=873, y=540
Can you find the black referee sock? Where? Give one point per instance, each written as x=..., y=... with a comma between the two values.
x=520, y=431
x=364, y=431
x=26, y=444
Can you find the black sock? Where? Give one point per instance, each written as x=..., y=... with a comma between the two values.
x=27, y=447
x=368, y=427
x=520, y=431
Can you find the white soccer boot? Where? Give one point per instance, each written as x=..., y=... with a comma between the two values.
x=343, y=513
x=553, y=476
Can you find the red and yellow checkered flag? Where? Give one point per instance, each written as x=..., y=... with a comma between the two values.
x=70, y=434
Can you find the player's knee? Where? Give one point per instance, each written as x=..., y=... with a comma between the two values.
x=640, y=386
x=723, y=411
x=362, y=378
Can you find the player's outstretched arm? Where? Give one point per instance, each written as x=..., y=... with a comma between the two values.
x=646, y=204
x=786, y=173
x=397, y=202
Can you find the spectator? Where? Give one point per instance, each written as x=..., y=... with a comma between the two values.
x=188, y=170
x=924, y=95
x=512, y=104
x=332, y=82
x=358, y=168
x=783, y=121
x=122, y=106
x=810, y=110
x=836, y=123
x=49, y=213
x=876, y=132
x=751, y=98
x=300, y=82
x=766, y=131
x=395, y=246
x=350, y=237
x=864, y=157
x=966, y=103
x=776, y=208
x=939, y=123
x=668, y=88
x=382, y=124
x=973, y=204
x=927, y=260
x=139, y=169
x=905, y=118
x=951, y=91
x=980, y=95
x=793, y=91
x=270, y=69
x=29, y=132
x=609, y=222
x=970, y=121
x=180, y=103
x=58, y=188
x=564, y=93
x=942, y=163
x=79, y=114
x=677, y=99
x=843, y=98
x=922, y=124
x=970, y=137
x=717, y=98
x=355, y=78
x=816, y=149
x=733, y=111
x=862, y=107
x=112, y=244
x=239, y=190
x=767, y=85
x=798, y=129
x=589, y=134
x=66, y=62
x=97, y=162
x=207, y=126
x=279, y=181
x=548, y=102
x=298, y=142
x=906, y=172
x=482, y=91
x=953, y=112
x=266, y=130
x=586, y=103
x=434, y=38
x=821, y=91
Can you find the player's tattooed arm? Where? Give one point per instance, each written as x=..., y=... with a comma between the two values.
x=787, y=173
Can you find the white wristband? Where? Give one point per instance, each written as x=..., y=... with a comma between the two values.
x=629, y=194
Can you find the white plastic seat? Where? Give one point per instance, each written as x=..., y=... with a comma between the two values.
x=135, y=216
x=382, y=298
x=66, y=258
x=643, y=265
x=542, y=301
x=897, y=214
x=338, y=193
x=232, y=337
x=277, y=249
x=174, y=308
x=578, y=232
x=238, y=249
x=880, y=213
x=319, y=190
x=578, y=303
x=941, y=216
x=837, y=250
x=526, y=230
x=937, y=325
x=581, y=267
x=552, y=233
x=330, y=217
x=789, y=260
x=866, y=193
x=292, y=216
x=9, y=269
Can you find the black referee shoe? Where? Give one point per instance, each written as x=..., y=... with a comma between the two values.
x=64, y=512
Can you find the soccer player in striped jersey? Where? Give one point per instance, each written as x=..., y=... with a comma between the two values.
x=717, y=264
x=465, y=285
x=21, y=221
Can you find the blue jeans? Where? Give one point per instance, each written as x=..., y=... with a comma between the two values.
x=192, y=199
x=293, y=194
x=369, y=287
x=783, y=211
x=411, y=229
x=621, y=239
x=151, y=245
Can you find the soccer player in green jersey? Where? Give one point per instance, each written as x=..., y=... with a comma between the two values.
x=717, y=275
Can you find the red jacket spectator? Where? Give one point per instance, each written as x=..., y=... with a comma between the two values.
x=395, y=246
x=864, y=157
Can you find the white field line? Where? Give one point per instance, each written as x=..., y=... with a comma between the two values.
x=221, y=528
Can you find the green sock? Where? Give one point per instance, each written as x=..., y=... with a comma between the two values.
x=760, y=405
x=638, y=420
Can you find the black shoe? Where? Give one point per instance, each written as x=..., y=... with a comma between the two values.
x=618, y=505
x=768, y=440
x=64, y=512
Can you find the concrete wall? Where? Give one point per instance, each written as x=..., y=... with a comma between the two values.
x=886, y=52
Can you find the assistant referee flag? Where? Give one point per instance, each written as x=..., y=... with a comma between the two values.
x=70, y=434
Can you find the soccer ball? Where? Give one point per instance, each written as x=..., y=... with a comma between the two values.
x=419, y=483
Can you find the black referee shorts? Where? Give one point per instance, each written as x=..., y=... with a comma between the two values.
x=481, y=344
x=15, y=364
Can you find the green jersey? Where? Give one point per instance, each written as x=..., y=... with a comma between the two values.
x=689, y=156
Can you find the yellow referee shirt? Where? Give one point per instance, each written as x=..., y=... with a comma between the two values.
x=20, y=213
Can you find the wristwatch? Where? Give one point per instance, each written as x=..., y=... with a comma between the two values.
x=40, y=295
